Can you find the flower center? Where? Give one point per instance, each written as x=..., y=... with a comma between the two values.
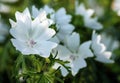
x=31, y=43
x=73, y=57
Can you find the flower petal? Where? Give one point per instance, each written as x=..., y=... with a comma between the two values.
x=89, y=12
x=55, y=39
x=92, y=23
x=27, y=12
x=48, y=9
x=13, y=24
x=45, y=48
x=42, y=19
x=23, y=16
x=77, y=65
x=48, y=33
x=63, y=52
x=66, y=29
x=72, y=42
x=22, y=47
x=84, y=50
x=96, y=45
x=21, y=31
x=80, y=10
x=63, y=70
x=104, y=57
x=61, y=17
x=35, y=12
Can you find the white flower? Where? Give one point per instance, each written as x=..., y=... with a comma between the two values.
x=110, y=42
x=32, y=36
x=74, y=52
x=62, y=21
x=88, y=20
x=99, y=49
x=3, y=30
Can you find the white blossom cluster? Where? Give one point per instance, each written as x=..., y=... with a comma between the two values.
x=33, y=34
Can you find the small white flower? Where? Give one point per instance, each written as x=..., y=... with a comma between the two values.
x=62, y=21
x=74, y=53
x=32, y=36
x=88, y=20
x=99, y=49
x=110, y=42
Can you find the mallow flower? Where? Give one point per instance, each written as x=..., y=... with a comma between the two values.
x=32, y=36
x=110, y=42
x=73, y=52
x=62, y=22
x=99, y=49
x=87, y=13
